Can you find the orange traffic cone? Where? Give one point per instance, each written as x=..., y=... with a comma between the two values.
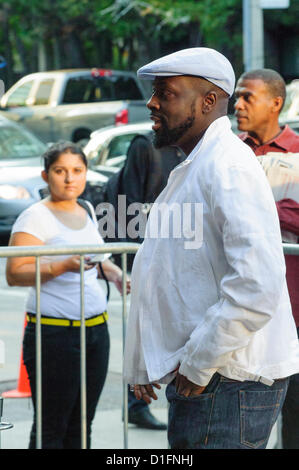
x=23, y=388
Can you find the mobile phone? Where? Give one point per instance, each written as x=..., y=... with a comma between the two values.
x=93, y=259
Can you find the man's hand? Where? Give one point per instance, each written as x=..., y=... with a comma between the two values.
x=145, y=392
x=186, y=388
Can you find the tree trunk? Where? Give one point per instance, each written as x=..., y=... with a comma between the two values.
x=74, y=51
x=22, y=54
x=56, y=53
x=195, y=36
x=42, y=56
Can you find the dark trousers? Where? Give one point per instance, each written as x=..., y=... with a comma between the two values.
x=228, y=415
x=290, y=414
x=61, y=406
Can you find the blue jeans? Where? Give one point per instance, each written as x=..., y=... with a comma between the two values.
x=228, y=415
x=61, y=405
x=290, y=414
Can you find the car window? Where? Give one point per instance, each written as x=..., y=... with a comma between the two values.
x=127, y=89
x=77, y=90
x=95, y=89
x=119, y=145
x=44, y=92
x=19, y=96
x=15, y=143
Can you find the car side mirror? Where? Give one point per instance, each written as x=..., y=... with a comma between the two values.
x=30, y=101
x=3, y=105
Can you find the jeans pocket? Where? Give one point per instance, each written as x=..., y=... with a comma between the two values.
x=188, y=419
x=258, y=413
x=208, y=391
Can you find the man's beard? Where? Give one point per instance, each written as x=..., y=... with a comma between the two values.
x=165, y=136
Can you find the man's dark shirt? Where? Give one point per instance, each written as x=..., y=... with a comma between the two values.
x=146, y=171
x=141, y=180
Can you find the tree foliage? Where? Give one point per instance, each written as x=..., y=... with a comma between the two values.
x=120, y=33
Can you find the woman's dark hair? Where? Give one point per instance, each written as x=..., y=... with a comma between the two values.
x=53, y=153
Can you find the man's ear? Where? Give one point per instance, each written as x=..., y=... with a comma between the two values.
x=44, y=176
x=277, y=104
x=209, y=102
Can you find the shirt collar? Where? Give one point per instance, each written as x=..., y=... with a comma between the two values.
x=222, y=123
x=282, y=140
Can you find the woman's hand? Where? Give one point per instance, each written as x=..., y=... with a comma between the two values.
x=114, y=274
x=72, y=264
x=118, y=281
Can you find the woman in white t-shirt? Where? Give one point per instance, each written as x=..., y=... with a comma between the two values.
x=60, y=220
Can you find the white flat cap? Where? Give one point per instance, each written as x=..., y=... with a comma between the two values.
x=198, y=61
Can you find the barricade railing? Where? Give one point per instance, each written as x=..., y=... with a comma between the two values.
x=82, y=250
x=4, y=425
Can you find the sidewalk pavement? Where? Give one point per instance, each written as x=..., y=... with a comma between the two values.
x=107, y=433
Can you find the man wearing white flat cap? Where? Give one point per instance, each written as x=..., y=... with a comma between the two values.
x=210, y=316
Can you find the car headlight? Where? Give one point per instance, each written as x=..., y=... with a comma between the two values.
x=8, y=191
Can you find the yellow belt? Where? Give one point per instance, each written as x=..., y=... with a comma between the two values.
x=93, y=321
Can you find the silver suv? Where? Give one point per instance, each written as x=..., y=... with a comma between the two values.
x=70, y=104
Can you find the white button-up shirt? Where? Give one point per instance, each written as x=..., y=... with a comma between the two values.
x=218, y=302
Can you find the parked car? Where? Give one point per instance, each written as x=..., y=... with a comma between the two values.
x=21, y=183
x=70, y=104
x=107, y=148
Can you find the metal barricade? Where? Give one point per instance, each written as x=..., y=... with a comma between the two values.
x=290, y=249
x=82, y=250
x=113, y=248
x=4, y=425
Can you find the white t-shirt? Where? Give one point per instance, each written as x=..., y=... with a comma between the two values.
x=60, y=297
